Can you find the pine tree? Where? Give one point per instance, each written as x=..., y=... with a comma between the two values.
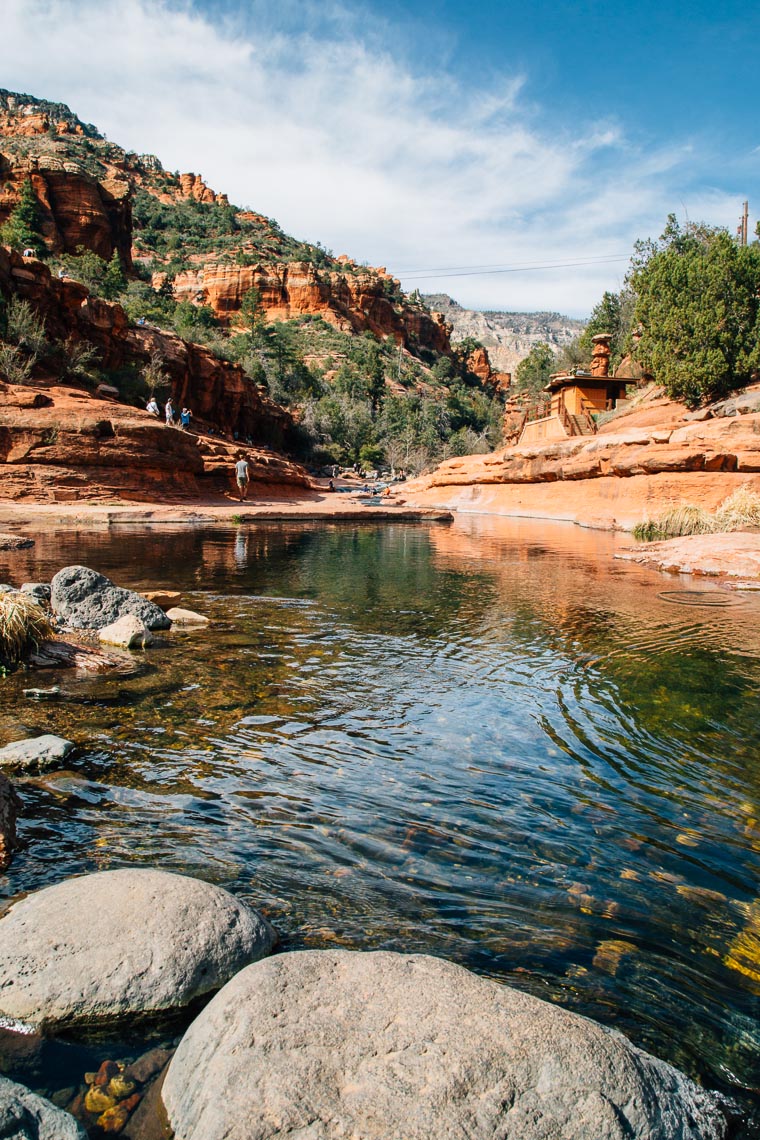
x=114, y=281
x=22, y=230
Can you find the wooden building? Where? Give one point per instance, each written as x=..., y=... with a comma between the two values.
x=577, y=397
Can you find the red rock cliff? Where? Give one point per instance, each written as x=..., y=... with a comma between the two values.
x=218, y=392
x=353, y=301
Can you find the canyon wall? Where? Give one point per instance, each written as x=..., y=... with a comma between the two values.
x=355, y=301
x=219, y=393
x=637, y=467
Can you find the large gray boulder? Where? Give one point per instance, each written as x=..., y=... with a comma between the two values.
x=327, y=1044
x=120, y=943
x=9, y=809
x=84, y=599
x=25, y=1116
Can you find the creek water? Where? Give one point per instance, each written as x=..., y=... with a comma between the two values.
x=487, y=741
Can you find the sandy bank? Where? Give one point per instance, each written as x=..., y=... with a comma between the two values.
x=278, y=504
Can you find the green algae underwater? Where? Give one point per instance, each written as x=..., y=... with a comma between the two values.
x=486, y=741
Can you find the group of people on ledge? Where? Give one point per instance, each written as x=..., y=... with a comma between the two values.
x=185, y=415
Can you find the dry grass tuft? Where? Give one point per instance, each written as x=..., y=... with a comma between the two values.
x=23, y=625
x=740, y=510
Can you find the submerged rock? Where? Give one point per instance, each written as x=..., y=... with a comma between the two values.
x=179, y=616
x=36, y=754
x=84, y=599
x=14, y=541
x=119, y=943
x=25, y=1116
x=9, y=808
x=163, y=598
x=129, y=632
x=321, y=1044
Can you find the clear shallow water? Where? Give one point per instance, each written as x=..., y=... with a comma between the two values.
x=486, y=741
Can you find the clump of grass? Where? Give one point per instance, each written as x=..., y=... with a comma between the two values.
x=23, y=625
x=674, y=524
x=740, y=510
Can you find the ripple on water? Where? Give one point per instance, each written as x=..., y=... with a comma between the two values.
x=474, y=743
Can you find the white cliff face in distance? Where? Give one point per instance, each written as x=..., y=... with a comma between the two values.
x=509, y=337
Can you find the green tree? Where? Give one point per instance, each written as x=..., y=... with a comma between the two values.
x=375, y=379
x=23, y=229
x=114, y=281
x=532, y=374
x=698, y=301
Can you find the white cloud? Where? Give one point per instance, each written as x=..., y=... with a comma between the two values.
x=326, y=130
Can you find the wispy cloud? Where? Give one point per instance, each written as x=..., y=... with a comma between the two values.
x=318, y=123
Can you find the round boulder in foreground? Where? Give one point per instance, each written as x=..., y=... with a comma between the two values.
x=119, y=943
x=25, y=1116
x=325, y=1044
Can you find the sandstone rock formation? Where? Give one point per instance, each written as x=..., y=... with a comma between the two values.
x=84, y=599
x=80, y=447
x=219, y=393
x=122, y=943
x=637, y=466
x=355, y=302
x=25, y=1116
x=322, y=1044
x=9, y=809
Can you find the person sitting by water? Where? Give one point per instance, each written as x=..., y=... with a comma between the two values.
x=331, y=486
x=242, y=476
x=152, y=407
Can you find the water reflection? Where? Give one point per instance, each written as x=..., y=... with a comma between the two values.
x=486, y=741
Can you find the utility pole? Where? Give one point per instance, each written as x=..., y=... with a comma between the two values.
x=744, y=225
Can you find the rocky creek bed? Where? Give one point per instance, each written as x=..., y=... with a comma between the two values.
x=370, y=1037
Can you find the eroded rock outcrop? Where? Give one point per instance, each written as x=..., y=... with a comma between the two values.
x=357, y=301
x=377, y=1045
x=75, y=208
x=636, y=467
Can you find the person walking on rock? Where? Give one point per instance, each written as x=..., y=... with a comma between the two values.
x=242, y=475
x=168, y=408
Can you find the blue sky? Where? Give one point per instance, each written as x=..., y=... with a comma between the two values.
x=509, y=154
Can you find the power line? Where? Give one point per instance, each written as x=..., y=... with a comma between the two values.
x=527, y=268
x=511, y=265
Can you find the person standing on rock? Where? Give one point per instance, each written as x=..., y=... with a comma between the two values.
x=168, y=408
x=242, y=475
x=184, y=419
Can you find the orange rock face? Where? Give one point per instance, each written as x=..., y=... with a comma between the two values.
x=193, y=186
x=352, y=301
x=78, y=447
x=218, y=393
x=76, y=210
x=614, y=479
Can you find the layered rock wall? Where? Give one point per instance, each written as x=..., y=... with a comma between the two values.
x=353, y=301
x=219, y=393
x=614, y=479
x=75, y=209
